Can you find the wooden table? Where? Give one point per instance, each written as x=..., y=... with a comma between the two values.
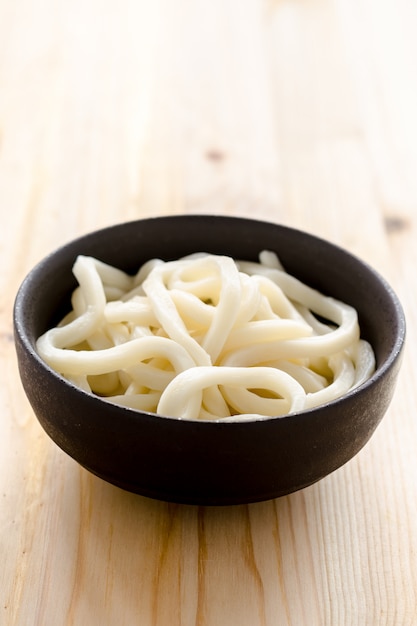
x=298, y=112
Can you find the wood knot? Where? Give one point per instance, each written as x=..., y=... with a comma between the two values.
x=215, y=155
x=396, y=224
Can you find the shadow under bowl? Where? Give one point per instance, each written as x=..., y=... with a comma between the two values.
x=198, y=462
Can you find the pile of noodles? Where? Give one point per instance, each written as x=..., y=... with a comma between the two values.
x=207, y=337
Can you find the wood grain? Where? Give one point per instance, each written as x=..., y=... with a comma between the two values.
x=298, y=112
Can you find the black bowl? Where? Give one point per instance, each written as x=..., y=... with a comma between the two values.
x=196, y=461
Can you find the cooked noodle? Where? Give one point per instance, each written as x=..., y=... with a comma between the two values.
x=207, y=337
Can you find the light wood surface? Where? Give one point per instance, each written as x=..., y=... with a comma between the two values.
x=299, y=112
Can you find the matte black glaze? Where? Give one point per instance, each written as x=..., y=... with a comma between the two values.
x=208, y=462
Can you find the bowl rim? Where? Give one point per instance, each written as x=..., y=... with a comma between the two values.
x=21, y=334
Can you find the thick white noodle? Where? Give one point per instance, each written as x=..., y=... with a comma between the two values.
x=78, y=362
x=177, y=399
x=206, y=337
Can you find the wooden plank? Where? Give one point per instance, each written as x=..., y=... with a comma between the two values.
x=298, y=112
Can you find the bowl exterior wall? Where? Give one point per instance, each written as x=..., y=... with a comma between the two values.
x=199, y=462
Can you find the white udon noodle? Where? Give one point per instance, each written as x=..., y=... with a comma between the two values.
x=206, y=337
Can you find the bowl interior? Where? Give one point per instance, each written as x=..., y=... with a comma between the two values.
x=318, y=263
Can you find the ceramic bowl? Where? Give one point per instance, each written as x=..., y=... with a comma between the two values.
x=198, y=462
